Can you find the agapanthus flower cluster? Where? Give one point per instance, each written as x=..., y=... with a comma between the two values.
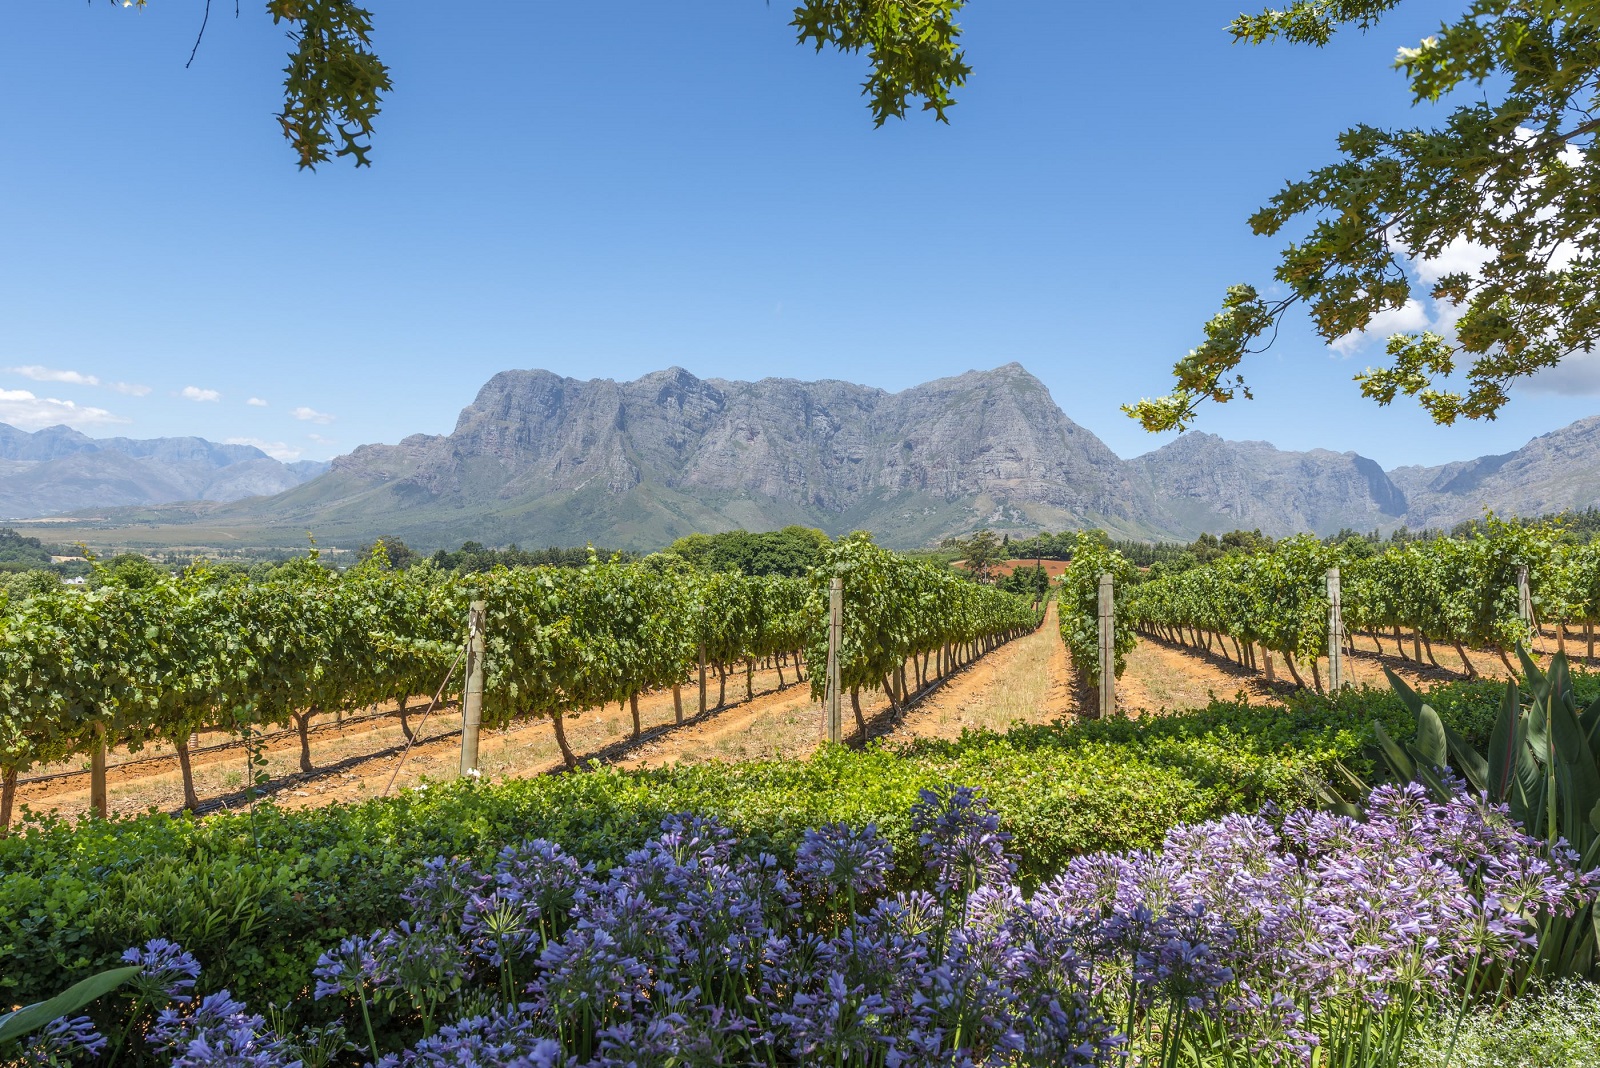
x=167, y=973
x=1248, y=931
x=64, y=1040
x=841, y=860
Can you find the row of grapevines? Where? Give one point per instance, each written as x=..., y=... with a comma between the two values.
x=81, y=671
x=898, y=612
x=1457, y=590
x=1079, y=605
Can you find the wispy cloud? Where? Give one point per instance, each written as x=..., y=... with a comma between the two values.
x=256, y=402
x=77, y=378
x=19, y=407
x=51, y=374
x=320, y=440
x=278, y=450
x=311, y=415
x=195, y=393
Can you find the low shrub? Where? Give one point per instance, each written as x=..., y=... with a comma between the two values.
x=1238, y=944
x=260, y=895
x=1558, y=1028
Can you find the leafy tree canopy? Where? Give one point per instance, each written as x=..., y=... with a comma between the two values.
x=475, y=557
x=334, y=85
x=792, y=551
x=21, y=553
x=1497, y=208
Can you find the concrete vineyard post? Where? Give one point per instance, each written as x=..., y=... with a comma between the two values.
x=1108, y=650
x=1525, y=601
x=832, y=708
x=472, y=695
x=1335, y=632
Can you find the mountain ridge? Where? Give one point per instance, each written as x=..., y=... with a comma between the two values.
x=540, y=458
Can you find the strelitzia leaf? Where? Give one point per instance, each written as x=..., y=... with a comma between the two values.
x=1531, y=671
x=1400, y=765
x=1431, y=743
x=28, y=1019
x=1467, y=761
x=1505, y=742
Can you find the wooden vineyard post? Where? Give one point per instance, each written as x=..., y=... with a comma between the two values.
x=1108, y=650
x=832, y=707
x=702, y=679
x=1335, y=633
x=99, y=798
x=472, y=695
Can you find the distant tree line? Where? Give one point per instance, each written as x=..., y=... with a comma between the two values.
x=792, y=551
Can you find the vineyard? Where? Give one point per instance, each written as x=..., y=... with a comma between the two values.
x=951, y=887
x=1501, y=587
x=84, y=672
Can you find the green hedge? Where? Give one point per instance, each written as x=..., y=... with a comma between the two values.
x=258, y=897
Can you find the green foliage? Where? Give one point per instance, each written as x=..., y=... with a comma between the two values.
x=1461, y=590
x=1513, y=170
x=19, y=553
x=1542, y=762
x=258, y=896
x=335, y=84
x=473, y=557
x=1554, y=1028
x=1080, y=606
x=1031, y=582
x=911, y=43
x=792, y=551
x=128, y=570
x=895, y=608
x=981, y=552
x=19, y=1023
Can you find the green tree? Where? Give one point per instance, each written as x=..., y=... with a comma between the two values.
x=980, y=553
x=1511, y=180
x=335, y=84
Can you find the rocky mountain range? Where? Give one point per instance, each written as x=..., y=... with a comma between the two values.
x=56, y=470
x=541, y=459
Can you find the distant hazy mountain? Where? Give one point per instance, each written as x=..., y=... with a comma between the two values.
x=57, y=470
x=541, y=459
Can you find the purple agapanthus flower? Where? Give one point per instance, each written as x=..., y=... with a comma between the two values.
x=167, y=972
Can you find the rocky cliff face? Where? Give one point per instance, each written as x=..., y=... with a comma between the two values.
x=986, y=446
x=541, y=459
x=1204, y=483
x=1551, y=473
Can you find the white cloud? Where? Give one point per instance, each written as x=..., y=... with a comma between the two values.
x=21, y=408
x=320, y=440
x=278, y=450
x=1576, y=376
x=50, y=374
x=195, y=393
x=1402, y=320
x=1460, y=256
x=256, y=402
x=132, y=389
x=311, y=415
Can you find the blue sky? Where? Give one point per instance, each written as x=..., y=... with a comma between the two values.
x=612, y=187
